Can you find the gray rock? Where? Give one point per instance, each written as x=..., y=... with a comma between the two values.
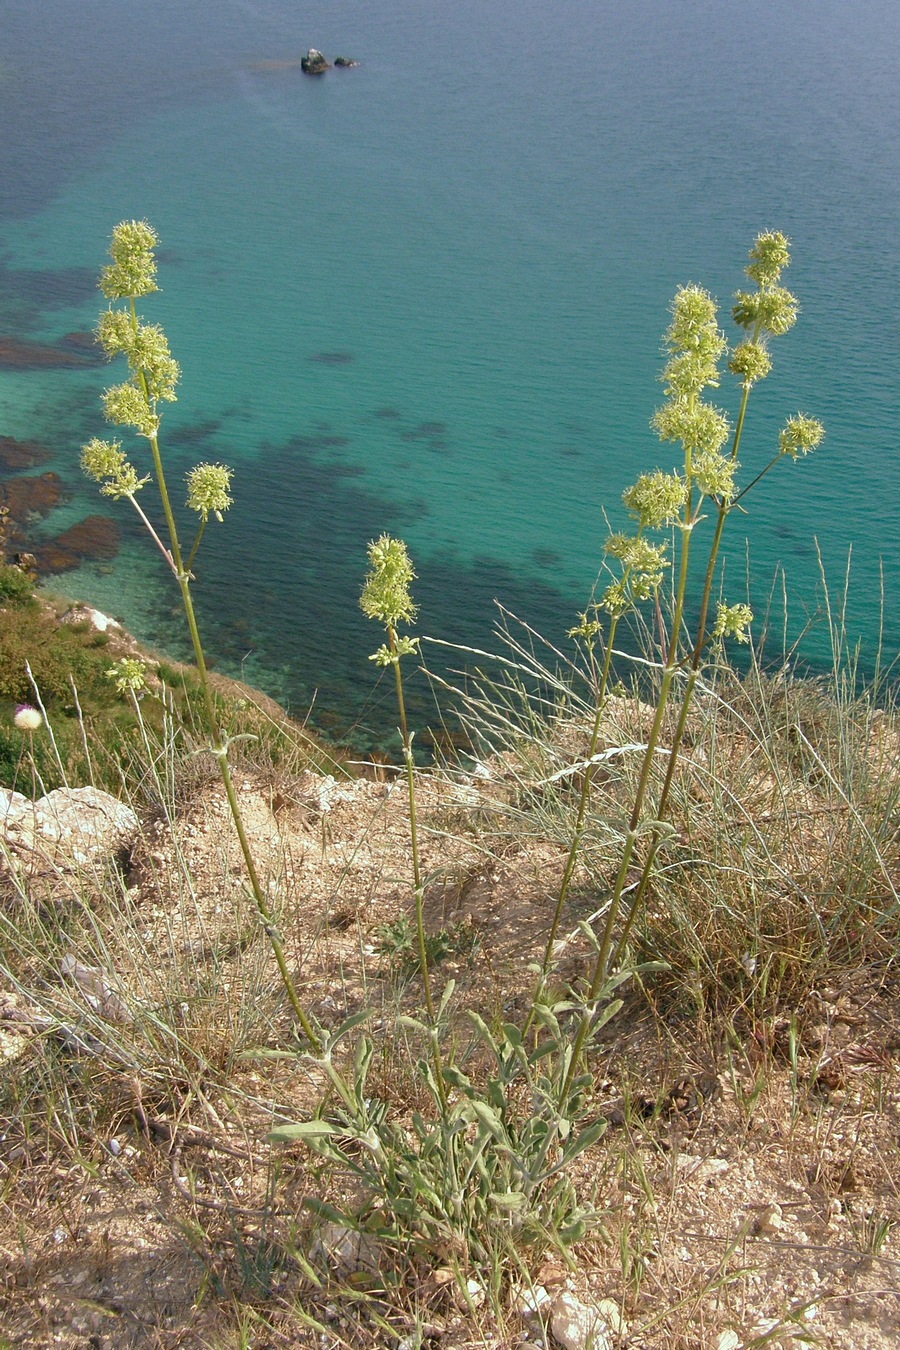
x=14, y=808
x=314, y=63
x=85, y=614
x=347, y=1251
x=96, y=988
x=576, y=1326
x=72, y=827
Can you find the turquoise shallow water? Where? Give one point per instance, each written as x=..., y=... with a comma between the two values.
x=427, y=295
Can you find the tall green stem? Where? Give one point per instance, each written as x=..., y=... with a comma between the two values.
x=419, y=889
x=418, y=883
x=601, y=965
x=696, y=658
x=578, y=830
x=219, y=743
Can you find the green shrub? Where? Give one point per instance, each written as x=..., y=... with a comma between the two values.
x=15, y=585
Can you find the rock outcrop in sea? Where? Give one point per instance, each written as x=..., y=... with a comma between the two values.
x=314, y=63
x=96, y=539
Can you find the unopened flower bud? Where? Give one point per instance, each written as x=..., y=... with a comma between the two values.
x=129, y=674
x=733, y=621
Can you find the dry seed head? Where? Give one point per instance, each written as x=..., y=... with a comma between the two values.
x=27, y=718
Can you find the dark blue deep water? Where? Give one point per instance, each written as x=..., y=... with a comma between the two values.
x=426, y=296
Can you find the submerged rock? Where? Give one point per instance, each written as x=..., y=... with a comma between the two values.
x=15, y=455
x=314, y=63
x=83, y=343
x=22, y=354
x=32, y=496
x=92, y=539
x=266, y=65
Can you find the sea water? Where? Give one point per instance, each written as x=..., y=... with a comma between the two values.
x=426, y=296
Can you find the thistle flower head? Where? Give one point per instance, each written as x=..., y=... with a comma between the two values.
x=656, y=499
x=714, y=475
x=637, y=554
x=695, y=342
x=132, y=271
x=27, y=718
x=700, y=427
x=775, y=310
x=769, y=256
x=115, y=332
x=126, y=406
x=129, y=674
x=733, y=621
x=751, y=361
x=801, y=435
x=208, y=489
x=149, y=353
x=106, y=460
x=386, y=595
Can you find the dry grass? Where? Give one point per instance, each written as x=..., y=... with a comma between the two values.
x=747, y=1180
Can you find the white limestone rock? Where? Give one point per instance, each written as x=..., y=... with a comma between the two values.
x=575, y=1326
x=73, y=827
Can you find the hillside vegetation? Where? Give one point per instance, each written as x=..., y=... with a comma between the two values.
x=586, y=1036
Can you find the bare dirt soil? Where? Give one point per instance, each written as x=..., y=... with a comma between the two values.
x=750, y=1174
